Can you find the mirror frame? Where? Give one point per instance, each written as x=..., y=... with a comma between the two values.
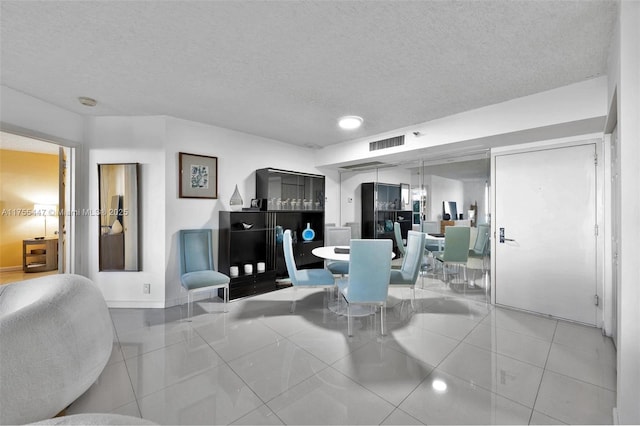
x=119, y=248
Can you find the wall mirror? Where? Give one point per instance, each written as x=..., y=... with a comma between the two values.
x=119, y=208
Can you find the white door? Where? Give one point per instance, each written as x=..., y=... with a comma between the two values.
x=546, y=206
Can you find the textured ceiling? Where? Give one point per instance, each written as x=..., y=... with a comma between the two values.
x=288, y=70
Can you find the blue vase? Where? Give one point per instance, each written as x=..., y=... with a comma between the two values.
x=279, y=234
x=308, y=234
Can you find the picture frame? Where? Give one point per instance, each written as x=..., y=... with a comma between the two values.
x=198, y=176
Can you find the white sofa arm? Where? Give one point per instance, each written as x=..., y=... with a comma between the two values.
x=56, y=337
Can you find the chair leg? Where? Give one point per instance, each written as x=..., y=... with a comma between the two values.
x=413, y=297
x=189, y=305
x=294, y=297
x=349, y=320
x=383, y=314
x=226, y=297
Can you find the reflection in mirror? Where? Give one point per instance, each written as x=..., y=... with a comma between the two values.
x=118, y=195
x=434, y=183
x=450, y=210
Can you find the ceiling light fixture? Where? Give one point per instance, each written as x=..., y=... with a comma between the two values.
x=350, y=122
x=87, y=101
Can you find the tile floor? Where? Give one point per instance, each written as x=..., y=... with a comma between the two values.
x=8, y=277
x=455, y=360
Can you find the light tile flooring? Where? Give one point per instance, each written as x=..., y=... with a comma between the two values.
x=455, y=360
x=8, y=277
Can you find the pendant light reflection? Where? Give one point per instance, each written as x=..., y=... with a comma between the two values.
x=439, y=386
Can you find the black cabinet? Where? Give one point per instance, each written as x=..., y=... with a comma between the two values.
x=243, y=240
x=383, y=204
x=290, y=200
x=288, y=190
x=293, y=201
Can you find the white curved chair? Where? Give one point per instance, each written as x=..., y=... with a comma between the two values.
x=56, y=337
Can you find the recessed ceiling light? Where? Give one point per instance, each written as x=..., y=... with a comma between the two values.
x=87, y=101
x=350, y=122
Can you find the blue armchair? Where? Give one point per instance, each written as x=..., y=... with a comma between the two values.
x=197, y=272
x=303, y=277
x=407, y=275
x=456, y=248
x=368, y=282
x=397, y=233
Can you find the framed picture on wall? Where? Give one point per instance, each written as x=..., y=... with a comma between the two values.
x=198, y=176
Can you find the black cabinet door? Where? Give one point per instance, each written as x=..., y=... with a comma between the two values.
x=247, y=285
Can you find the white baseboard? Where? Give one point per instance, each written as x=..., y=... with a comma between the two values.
x=159, y=304
x=175, y=302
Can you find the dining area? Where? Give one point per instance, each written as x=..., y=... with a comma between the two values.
x=461, y=257
x=358, y=273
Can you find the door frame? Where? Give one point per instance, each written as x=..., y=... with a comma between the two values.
x=593, y=138
x=71, y=212
x=611, y=267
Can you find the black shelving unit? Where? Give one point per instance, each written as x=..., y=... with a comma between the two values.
x=297, y=221
x=293, y=200
x=249, y=236
x=383, y=204
x=238, y=246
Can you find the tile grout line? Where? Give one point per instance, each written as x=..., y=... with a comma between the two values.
x=544, y=370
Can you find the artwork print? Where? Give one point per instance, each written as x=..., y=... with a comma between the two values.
x=198, y=176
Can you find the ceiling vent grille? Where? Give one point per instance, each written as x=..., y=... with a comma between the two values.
x=371, y=164
x=386, y=143
x=366, y=166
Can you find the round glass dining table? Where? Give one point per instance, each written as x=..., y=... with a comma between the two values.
x=329, y=253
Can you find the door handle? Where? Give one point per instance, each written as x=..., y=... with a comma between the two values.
x=502, y=238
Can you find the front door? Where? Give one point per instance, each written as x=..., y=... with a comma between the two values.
x=546, y=211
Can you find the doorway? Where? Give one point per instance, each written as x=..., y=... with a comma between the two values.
x=545, y=232
x=35, y=191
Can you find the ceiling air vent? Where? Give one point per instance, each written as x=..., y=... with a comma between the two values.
x=386, y=143
x=366, y=166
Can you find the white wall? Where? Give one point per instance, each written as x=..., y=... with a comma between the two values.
x=131, y=140
x=624, y=81
x=444, y=189
x=239, y=155
x=32, y=117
